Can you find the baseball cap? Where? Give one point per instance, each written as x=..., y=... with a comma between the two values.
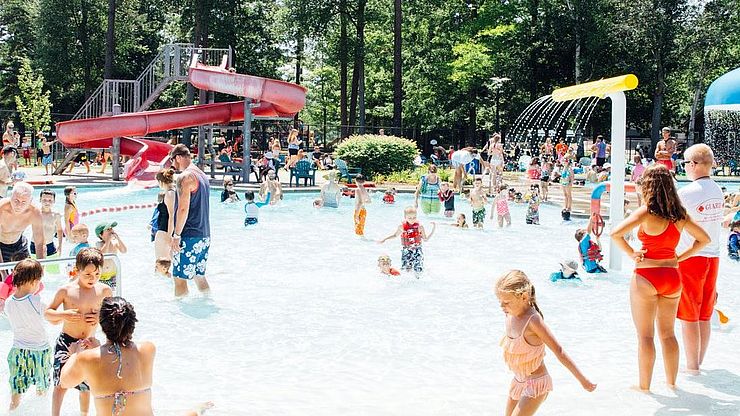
x=104, y=226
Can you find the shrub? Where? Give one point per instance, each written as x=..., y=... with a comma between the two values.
x=412, y=177
x=377, y=154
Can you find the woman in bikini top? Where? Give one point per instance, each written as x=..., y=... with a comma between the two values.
x=118, y=372
x=656, y=285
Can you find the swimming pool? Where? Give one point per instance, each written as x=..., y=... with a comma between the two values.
x=301, y=323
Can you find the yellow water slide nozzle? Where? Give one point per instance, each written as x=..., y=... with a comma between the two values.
x=600, y=88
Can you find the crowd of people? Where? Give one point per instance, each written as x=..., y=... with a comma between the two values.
x=675, y=272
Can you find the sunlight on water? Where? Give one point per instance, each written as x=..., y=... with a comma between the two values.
x=301, y=323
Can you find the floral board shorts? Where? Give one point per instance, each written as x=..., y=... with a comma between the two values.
x=192, y=258
x=29, y=367
x=479, y=215
x=412, y=258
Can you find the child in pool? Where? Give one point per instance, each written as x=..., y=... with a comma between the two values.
x=524, y=345
x=568, y=270
x=229, y=194
x=500, y=204
x=390, y=196
x=447, y=197
x=71, y=214
x=252, y=209
x=162, y=267
x=533, y=209
x=361, y=198
x=412, y=234
x=589, y=248
x=733, y=241
x=478, y=202
x=460, y=221
x=384, y=264
x=110, y=243
x=29, y=359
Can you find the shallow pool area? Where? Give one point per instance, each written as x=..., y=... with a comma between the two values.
x=300, y=321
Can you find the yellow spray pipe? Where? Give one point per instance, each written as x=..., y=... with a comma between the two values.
x=600, y=88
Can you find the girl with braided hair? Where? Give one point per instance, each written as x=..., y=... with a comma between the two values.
x=119, y=372
x=524, y=345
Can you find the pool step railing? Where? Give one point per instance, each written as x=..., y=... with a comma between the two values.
x=59, y=260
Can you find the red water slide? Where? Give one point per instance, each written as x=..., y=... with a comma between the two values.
x=276, y=99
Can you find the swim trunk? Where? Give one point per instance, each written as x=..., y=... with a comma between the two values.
x=29, y=367
x=533, y=216
x=533, y=387
x=666, y=162
x=16, y=251
x=412, y=258
x=360, y=224
x=479, y=215
x=51, y=249
x=250, y=221
x=699, y=279
x=192, y=258
x=46, y=160
x=109, y=279
x=430, y=206
x=26, y=153
x=61, y=355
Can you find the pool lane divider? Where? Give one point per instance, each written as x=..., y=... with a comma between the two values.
x=117, y=209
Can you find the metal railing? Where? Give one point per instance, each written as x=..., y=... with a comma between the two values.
x=169, y=65
x=58, y=260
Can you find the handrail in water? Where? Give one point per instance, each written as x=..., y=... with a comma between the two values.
x=11, y=265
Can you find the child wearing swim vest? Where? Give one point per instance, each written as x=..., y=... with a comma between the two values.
x=412, y=234
x=447, y=197
x=390, y=196
x=524, y=345
x=590, y=250
x=733, y=241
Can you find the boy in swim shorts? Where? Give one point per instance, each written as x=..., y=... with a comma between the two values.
x=478, y=201
x=590, y=250
x=361, y=198
x=412, y=234
x=81, y=300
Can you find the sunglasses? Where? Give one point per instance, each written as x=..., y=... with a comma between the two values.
x=687, y=162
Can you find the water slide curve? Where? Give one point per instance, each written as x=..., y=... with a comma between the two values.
x=276, y=99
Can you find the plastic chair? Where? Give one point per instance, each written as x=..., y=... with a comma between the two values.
x=303, y=169
x=346, y=172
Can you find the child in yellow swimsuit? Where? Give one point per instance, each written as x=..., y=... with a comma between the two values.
x=110, y=243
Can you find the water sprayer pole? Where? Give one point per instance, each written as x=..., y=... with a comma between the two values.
x=247, y=141
x=616, y=195
x=116, y=159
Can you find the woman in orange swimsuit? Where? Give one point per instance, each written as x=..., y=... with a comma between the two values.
x=656, y=286
x=524, y=346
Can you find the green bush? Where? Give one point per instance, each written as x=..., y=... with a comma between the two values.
x=377, y=154
x=412, y=177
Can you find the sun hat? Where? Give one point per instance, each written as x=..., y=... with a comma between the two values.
x=268, y=155
x=607, y=165
x=570, y=267
x=104, y=226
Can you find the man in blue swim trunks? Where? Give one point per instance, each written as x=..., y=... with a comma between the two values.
x=191, y=237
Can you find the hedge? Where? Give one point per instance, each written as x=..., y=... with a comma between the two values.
x=377, y=154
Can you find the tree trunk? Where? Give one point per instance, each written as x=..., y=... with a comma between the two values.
x=472, y=118
x=360, y=62
x=110, y=40
x=85, y=46
x=397, y=74
x=657, y=101
x=353, y=92
x=534, y=7
x=298, y=59
x=695, y=104
x=343, y=67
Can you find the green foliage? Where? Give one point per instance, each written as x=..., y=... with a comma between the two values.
x=377, y=154
x=472, y=64
x=413, y=176
x=33, y=103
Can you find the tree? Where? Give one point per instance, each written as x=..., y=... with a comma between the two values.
x=33, y=102
x=17, y=40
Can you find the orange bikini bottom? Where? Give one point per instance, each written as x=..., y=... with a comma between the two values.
x=665, y=280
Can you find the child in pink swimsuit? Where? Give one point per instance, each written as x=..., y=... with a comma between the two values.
x=501, y=206
x=524, y=345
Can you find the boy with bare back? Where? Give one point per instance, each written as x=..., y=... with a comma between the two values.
x=361, y=198
x=271, y=185
x=81, y=298
x=478, y=201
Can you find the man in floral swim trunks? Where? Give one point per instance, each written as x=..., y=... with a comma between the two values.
x=191, y=237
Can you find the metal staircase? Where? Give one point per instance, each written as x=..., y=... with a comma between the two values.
x=170, y=65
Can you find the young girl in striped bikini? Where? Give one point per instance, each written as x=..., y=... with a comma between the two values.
x=524, y=346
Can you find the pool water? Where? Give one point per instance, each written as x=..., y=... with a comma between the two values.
x=300, y=322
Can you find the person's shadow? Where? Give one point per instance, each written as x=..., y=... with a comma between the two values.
x=198, y=307
x=687, y=403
